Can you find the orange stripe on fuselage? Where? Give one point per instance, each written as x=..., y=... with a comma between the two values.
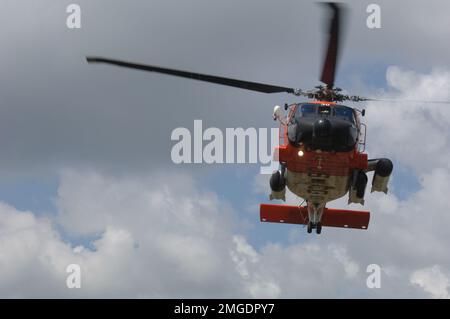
x=323, y=102
x=323, y=163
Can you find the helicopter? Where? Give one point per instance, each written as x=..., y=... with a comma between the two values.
x=322, y=144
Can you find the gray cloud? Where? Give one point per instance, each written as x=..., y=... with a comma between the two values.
x=57, y=111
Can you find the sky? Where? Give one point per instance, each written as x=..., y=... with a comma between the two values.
x=86, y=175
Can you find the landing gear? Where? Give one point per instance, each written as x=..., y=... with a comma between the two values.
x=317, y=227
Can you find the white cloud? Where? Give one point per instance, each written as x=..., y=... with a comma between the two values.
x=416, y=134
x=433, y=281
x=30, y=252
x=155, y=240
x=158, y=237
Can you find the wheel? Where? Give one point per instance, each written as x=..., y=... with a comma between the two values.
x=319, y=228
x=310, y=227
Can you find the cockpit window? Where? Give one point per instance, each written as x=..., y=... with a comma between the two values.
x=344, y=112
x=307, y=110
x=323, y=110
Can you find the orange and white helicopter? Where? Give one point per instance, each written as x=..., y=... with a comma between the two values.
x=322, y=157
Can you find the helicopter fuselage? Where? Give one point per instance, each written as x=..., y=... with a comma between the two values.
x=320, y=150
x=321, y=157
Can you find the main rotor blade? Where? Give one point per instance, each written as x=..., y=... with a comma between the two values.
x=253, y=86
x=329, y=66
x=407, y=101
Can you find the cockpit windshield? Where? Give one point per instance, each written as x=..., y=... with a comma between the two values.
x=307, y=110
x=318, y=110
x=344, y=112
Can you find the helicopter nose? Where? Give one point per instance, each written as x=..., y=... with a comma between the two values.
x=322, y=128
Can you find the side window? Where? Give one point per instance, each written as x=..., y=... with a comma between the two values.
x=308, y=110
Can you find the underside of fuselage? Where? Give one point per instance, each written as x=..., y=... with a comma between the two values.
x=317, y=188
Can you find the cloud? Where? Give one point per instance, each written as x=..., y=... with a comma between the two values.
x=155, y=237
x=165, y=236
x=58, y=112
x=32, y=256
x=433, y=281
x=416, y=134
